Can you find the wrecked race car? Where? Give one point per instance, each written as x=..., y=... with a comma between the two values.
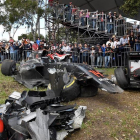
x=81, y=79
x=35, y=115
x=128, y=77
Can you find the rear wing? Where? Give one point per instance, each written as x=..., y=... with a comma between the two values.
x=134, y=56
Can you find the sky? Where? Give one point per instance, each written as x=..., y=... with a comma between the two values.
x=21, y=30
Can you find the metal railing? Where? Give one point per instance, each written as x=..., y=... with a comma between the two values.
x=82, y=18
x=98, y=59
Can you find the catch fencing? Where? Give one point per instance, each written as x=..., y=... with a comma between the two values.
x=112, y=59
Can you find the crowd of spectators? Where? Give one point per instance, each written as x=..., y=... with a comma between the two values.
x=98, y=20
x=100, y=55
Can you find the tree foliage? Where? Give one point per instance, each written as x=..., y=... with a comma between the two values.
x=22, y=13
x=67, y=35
x=30, y=36
x=131, y=7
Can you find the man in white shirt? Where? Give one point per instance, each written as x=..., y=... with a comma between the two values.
x=134, y=26
x=116, y=43
x=66, y=48
x=109, y=43
x=123, y=41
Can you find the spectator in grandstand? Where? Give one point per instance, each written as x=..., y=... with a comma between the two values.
x=103, y=51
x=11, y=40
x=74, y=13
x=121, y=25
x=109, y=42
x=83, y=18
x=38, y=41
x=87, y=17
x=68, y=10
x=92, y=55
x=137, y=41
x=115, y=15
x=138, y=28
x=134, y=26
x=131, y=40
x=110, y=23
x=123, y=41
x=101, y=19
x=75, y=52
x=99, y=55
x=85, y=51
x=94, y=16
x=108, y=52
x=116, y=42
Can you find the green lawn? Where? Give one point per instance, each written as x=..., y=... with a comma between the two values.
x=108, y=117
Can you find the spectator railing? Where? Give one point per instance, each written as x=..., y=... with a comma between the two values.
x=91, y=20
x=112, y=59
x=120, y=27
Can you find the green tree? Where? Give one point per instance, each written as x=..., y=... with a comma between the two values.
x=23, y=12
x=30, y=36
x=131, y=7
x=14, y=14
x=67, y=34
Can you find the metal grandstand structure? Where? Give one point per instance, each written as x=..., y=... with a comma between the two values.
x=90, y=27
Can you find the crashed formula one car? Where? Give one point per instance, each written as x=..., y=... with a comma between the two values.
x=129, y=76
x=37, y=115
x=80, y=79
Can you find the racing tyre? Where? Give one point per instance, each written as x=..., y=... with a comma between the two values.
x=70, y=91
x=88, y=91
x=121, y=78
x=8, y=67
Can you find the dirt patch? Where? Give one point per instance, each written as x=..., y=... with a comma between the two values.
x=110, y=116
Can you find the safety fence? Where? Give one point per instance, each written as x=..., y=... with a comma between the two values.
x=100, y=59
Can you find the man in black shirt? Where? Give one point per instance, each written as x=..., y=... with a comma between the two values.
x=132, y=40
x=108, y=52
x=2, y=50
x=46, y=50
x=75, y=50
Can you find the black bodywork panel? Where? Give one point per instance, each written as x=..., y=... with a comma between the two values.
x=35, y=72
